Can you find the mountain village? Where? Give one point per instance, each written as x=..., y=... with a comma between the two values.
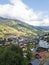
x=39, y=43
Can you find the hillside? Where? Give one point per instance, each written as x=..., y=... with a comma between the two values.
x=5, y=30
x=13, y=27
x=18, y=28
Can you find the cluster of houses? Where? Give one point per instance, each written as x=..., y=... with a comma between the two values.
x=22, y=41
x=17, y=40
x=39, y=41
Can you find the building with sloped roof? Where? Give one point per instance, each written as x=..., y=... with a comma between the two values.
x=42, y=45
x=34, y=62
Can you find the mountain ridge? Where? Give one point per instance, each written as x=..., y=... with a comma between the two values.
x=38, y=27
x=20, y=27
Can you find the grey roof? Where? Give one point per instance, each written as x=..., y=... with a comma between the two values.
x=35, y=62
x=47, y=62
x=43, y=44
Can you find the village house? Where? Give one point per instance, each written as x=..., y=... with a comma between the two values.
x=11, y=36
x=43, y=45
x=7, y=43
x=24, y=48
x=1, y=39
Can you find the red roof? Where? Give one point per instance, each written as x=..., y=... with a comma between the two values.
x=41, y=54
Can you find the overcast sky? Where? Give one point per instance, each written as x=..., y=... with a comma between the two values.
x=34, y=12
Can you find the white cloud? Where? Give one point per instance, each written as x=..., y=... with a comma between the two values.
x=18, y=10
x=45, y=21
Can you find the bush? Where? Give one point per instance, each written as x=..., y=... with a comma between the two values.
x=12, y=55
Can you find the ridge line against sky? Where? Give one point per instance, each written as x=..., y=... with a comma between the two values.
x=18, y=9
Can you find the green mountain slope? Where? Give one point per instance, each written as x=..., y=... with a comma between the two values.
x=4, y=30
x=17, y=28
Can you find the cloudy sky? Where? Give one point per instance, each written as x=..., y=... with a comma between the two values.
x=34, y=12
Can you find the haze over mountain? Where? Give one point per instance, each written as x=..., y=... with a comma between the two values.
x=38, y=27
